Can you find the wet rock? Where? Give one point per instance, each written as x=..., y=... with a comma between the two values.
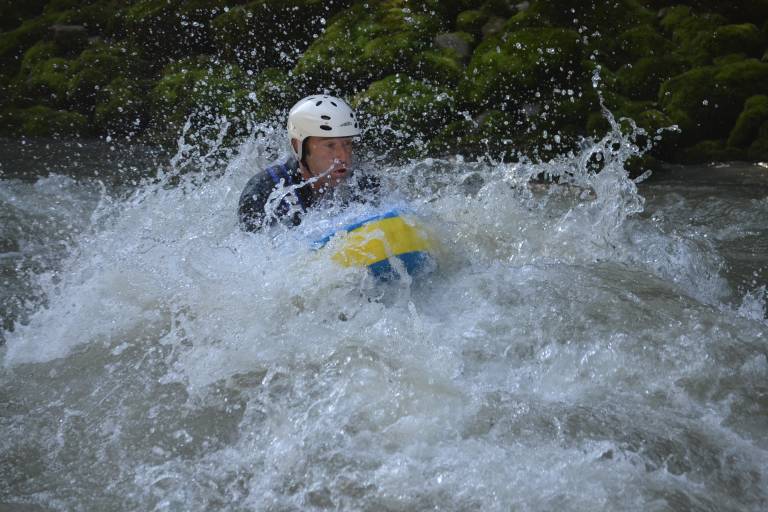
x=519, y=63
x=121, y=106
x=459, y=43
x=13, y=14
x=634, y=44
x=42, y=121
x=170, y=29
x=362, y=45
x=707, y=151
x=751, y=119
x=758, y=150
x=471, y=21
x=71, y=39
x=49, y=79
x=93, y=69
x=745, y=38
x=641, y=80
x=265, y=33
x=13, y=44
x=410, y=110
x=706, y=101
x=493, y=26
x=692, y=32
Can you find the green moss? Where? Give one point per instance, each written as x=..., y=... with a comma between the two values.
x=41, y=121
x=634, y=44
x=403, y=113
x=714, y=150
x=270, y=33
x=705, y=102
x=471, y=21
x=608, y=18
x=198, y=89
x=50, y=79
x=363, y=45
x=40, y=52
x=121, y=106
x=443, y=64
x=758, y=150
x=745, y=38
x=692, y=32
x=642, y=79
x=521, y=63
x=93, y=69
x=271, y=96
x=747, y=126
x=14, y=13
x=13, y=44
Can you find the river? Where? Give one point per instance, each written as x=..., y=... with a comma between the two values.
x=586, y=343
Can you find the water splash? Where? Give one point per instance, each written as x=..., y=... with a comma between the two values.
x=570, y=352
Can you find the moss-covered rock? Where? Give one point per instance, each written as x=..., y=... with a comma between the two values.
x=363, y=45
x=271, y=33
x=715, y=150
x=14, y=13
x=13, y=44
x=747, y=126
x=758, y=150
x=521, y=63
x=745, y=38
x=445, y=63
x=737, y=11
x=197, y=89
x=49, y=80
x=642, y=41
x=692, y=32
x=471, y=21
x=604, y=18
x=271, y=95
x=402, y=114
x=121, y=106
x=93, y=69
x=166, y=30
x=42, y=121
x=641, y=80
x=705, y=102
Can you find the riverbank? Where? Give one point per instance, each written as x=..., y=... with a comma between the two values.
x=495, y=78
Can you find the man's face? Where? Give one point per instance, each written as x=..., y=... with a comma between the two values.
x=324, y=153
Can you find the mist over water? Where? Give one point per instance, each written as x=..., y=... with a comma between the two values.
x=582, y=345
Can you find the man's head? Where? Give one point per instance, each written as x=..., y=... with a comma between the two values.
x=321, y=129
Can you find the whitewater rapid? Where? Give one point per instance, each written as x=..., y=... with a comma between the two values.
x=582, y=346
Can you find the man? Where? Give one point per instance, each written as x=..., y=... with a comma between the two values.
x=321, y=129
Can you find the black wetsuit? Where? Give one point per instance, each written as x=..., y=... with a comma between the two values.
x=252, y=209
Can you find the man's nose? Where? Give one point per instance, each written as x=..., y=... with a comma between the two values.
x=343, y=153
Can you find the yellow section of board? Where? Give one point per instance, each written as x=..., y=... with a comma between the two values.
x=378, y=240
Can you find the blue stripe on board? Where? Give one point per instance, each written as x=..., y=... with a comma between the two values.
x=387, y=215
x=413, y=262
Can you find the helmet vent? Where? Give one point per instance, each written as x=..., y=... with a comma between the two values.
x=327, y=118
x=325, y=127
x=334, y=104
x=319, y=103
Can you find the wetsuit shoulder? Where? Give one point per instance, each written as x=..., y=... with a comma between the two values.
x=255, y=196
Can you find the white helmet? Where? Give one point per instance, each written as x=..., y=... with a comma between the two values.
x=320, y=116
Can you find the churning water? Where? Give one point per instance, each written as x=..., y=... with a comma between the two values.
x=582, y=346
